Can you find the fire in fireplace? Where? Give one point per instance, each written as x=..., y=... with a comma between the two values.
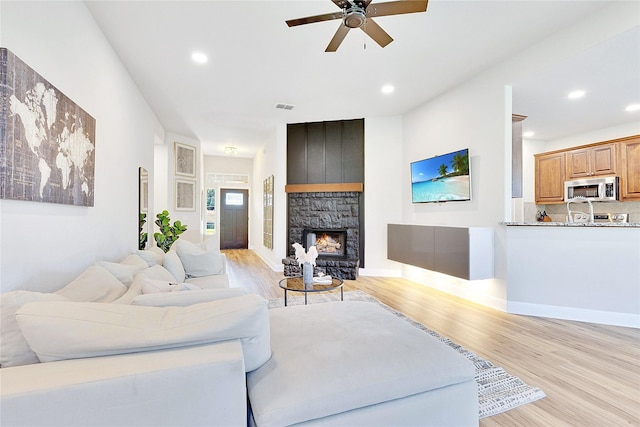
x=329, y=243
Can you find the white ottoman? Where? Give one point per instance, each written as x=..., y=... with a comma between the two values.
x=354, y=363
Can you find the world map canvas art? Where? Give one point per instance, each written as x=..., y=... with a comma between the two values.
x=47, y=142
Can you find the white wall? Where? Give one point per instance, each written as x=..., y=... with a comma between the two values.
x=627, y=129
x=271, y=160
x=192, y=219
x=474, y=116
x=383, y=177
x=44, y=246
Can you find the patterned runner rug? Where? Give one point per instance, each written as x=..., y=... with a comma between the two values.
x=498, y=391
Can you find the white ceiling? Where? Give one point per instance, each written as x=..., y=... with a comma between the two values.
x=256, y=62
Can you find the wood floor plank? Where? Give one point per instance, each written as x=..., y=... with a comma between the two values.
x=590, y=372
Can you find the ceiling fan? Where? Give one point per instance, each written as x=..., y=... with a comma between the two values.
x=359, y=14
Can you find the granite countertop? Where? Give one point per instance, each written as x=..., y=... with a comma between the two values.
x=573, y=224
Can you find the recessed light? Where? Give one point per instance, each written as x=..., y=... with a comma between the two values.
x=387, y=89
x=527, y=134
x=576, y=94
x=633, y=107
x=199, y=57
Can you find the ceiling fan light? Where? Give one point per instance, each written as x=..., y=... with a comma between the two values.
x=354, y=17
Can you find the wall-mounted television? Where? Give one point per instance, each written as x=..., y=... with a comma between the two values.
x=443, y=178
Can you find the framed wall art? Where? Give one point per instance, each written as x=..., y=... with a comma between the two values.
x=267, y=221
x=185, y=193
x=185, y=158
x=47, y=142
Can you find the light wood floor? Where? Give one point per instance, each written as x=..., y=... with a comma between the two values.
x=590, y=373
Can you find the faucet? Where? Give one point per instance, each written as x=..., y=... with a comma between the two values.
x=579, y=199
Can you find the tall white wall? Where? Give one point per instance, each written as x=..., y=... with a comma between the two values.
x=191, y=218
x=476, y=116
x=270, y=160
x=383, y=179
x=44, y=246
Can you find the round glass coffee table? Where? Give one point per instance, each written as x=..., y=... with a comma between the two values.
x=296, y=284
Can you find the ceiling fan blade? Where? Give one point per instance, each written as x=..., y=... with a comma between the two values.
x=396, y=8
x=337, y=38
x=376, y=32
x=312, y=19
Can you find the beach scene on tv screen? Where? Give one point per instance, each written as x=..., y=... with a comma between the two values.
x=441, y=178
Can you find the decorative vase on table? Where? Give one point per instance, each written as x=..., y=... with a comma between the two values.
x=307, y=274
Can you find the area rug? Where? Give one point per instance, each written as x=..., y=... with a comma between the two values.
x=498, y=391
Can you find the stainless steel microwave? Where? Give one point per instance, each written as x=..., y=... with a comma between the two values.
x=595, y=189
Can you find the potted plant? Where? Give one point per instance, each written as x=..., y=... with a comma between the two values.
x=168, y=233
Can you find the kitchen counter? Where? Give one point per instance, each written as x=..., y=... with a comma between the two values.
x=573, y=224
x=578, y=271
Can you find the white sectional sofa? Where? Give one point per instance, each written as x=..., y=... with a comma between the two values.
x=161, y=340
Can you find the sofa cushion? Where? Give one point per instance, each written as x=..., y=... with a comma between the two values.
x=150, y=286
x=95, y=284
x=157, y=272
x=123, y=272
x=357, y=355
x=201, y=259
x=66, y=330
x=14, y=350
x=215, y=281
x=183, y=299
x=174, y=265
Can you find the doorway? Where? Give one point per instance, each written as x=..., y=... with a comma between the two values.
x=234, y=219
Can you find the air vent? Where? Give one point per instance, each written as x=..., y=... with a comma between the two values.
x=284, y=106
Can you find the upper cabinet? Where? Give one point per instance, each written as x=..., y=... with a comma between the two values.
x=550, y=177
x=591, y=161
x=630, y=169
x=620, y=157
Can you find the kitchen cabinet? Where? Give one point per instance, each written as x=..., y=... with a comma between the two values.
x=549, y=177
x=630, y=169
x=589, y=162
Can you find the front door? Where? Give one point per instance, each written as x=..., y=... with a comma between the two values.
x=234, y=219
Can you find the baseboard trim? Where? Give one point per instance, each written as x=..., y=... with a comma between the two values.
x=379, y=272
x=578, y=314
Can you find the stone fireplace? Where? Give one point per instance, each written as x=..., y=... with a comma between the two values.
x=331, y=222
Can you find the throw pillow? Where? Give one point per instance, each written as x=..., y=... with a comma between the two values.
x=95, y=284
x=123, y=272
x=174, y=265
x=157, y=272
x=63, y=330
x=133, y=259
x=14, y=350
x=199, y=260
x=152, y=256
